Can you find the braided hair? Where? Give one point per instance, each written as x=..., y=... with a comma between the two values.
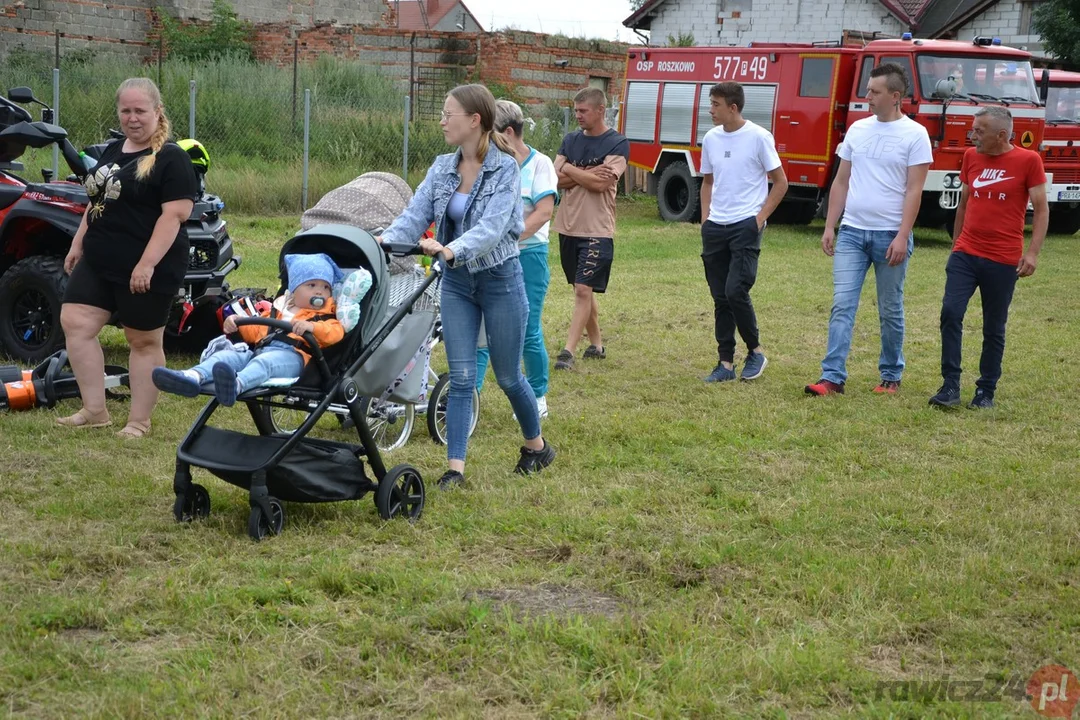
x=164, y=128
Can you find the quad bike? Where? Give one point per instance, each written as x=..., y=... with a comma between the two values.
x=38, y=221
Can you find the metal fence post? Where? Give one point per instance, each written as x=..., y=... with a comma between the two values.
x=191, y=111
x=56, y=119
x=405, y=145
x=565, y=120
x=307, y=145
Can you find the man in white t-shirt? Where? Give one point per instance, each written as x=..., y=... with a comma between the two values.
x=878, y=188
x=738, y=159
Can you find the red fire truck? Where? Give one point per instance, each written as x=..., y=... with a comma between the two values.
x=1061, y=150
x=807, y=95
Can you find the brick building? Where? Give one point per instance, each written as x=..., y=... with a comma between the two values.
x=537, y=67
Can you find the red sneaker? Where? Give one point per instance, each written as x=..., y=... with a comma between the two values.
x=888, y=386
x=825, y=387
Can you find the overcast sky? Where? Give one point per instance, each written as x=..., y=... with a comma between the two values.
x=575, y=18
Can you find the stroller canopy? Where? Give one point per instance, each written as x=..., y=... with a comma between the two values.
x=370, y=202
x=350, y=248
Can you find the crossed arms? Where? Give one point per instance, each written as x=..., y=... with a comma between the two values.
x=600, y=178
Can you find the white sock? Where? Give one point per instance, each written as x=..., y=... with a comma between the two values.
x=194, y=376
x=239, y=386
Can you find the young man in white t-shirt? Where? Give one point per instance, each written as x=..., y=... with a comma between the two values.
x=738, y=159
x=878, y=187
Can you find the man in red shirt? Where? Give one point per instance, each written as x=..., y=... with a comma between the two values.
x=988, y=253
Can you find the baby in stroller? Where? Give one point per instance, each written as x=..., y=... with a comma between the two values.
x=229, y=369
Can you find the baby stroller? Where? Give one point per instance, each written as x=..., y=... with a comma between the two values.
x=291, y=466
x=409, y=387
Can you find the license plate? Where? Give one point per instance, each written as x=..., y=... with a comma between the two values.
x=1069, y=195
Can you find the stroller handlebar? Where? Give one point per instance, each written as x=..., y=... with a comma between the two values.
x=402, y=248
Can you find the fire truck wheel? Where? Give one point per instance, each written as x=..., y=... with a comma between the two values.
x=678, y=194
x=31, y=292
x=794, y=213
x=1064, y=221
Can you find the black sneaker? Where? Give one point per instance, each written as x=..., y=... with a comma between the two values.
x=947, y=397
x=983, y=400
x=594, y=353
x=451, y=479
x=565, y=360
x=535, y=460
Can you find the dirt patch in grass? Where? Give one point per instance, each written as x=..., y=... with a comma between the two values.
x=557, y=600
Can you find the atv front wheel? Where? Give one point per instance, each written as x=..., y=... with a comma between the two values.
x=31, y=293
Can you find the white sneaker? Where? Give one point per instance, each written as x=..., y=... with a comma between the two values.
x=541, y=407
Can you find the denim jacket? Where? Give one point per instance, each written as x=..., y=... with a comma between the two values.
x=493, y=217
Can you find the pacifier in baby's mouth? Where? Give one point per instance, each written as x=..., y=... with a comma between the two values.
x=317, y=302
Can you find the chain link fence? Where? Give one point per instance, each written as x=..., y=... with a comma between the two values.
x=278, y=137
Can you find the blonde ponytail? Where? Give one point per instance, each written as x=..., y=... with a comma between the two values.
x=503, y=143
x=160, y=137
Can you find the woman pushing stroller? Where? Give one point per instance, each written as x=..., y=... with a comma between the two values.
x=473, y=195
x=265, y=354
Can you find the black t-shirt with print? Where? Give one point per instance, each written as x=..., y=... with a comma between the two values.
x=124, y=210
x=586, y=151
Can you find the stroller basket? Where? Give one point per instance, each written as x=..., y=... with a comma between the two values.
x=313, y=471
x=405, y=284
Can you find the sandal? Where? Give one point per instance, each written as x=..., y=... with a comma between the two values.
x=134, y=430
x=83, y=419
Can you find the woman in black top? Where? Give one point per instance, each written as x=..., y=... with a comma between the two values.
x=129, y=256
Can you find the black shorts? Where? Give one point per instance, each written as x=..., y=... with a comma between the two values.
x=587, y=260
x=145, y=311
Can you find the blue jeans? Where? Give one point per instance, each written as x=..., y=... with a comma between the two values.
x=996, y=282
x=253, y=369
x=534, y=266
x=856, y=251
x=498, y=296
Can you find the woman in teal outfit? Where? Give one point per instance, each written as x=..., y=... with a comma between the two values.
x=539, y=194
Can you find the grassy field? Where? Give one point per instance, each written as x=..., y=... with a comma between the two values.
x=695, y=551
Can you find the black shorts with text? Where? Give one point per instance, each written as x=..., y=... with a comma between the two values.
x=587, y=260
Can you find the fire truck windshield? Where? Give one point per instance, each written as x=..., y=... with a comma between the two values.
x=978, y=78
x=1063, y=104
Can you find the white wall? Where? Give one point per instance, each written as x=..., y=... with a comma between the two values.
x=1001, y=20
x=765, y=21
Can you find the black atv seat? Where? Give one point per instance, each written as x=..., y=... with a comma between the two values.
x=9, y=194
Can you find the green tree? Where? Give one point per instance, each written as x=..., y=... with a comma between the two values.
x=635, y=4
x=225, y=35
x=1058, y=21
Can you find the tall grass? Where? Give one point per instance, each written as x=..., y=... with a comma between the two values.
x=248, y=118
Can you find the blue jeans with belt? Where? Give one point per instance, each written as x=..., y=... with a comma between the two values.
x=856, y=251
x=498, y=296
x=534, y=266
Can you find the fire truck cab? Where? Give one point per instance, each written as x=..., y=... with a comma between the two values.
x=807, y=95
x=1061, y=150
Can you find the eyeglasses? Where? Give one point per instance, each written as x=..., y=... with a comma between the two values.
x=447, y=115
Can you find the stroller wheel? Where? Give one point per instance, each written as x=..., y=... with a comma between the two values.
x=259, y=526
x=391, y=423
x=193, y=505
x=436, y=412
x=400, y=494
